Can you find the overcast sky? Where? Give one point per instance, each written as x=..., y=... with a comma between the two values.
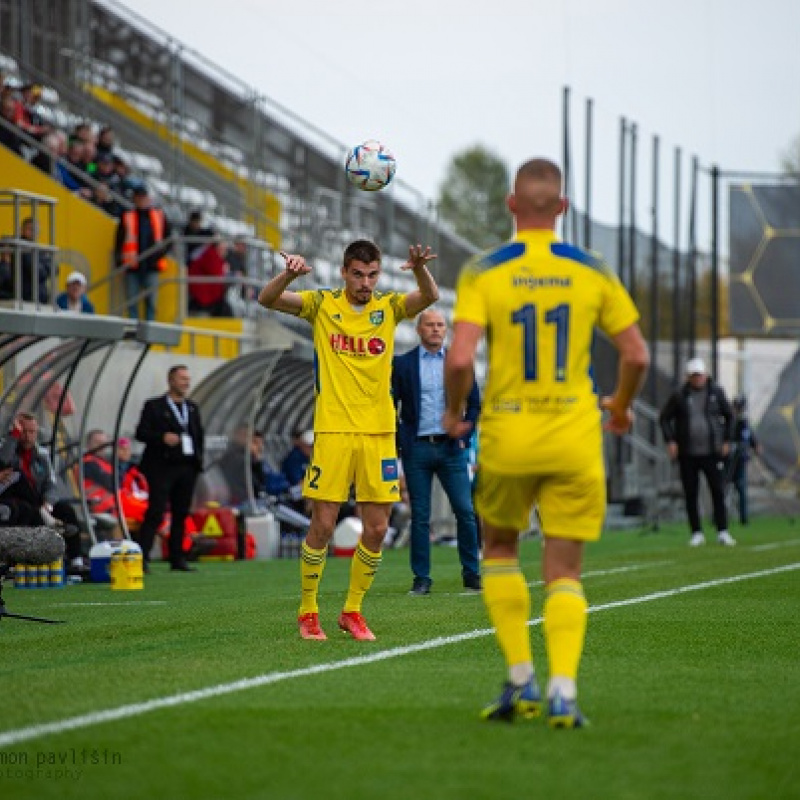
x=719, y=78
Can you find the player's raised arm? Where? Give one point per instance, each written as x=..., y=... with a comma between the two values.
x=427, y=292
x=275, y=294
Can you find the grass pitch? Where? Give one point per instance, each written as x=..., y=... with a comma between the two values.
x=199, y=686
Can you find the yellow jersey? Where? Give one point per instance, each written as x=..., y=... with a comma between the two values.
x=353, y=349
x=539, y=301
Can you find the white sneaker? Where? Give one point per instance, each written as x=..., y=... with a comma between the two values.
x=725, y=539
x=697, y=539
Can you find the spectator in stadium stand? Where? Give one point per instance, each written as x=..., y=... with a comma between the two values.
x=106, y=142
x=74, y=298
x=107, y=174
x=127, y=180
x=53, y=146
x=72, y=175
x=9, y=132
x=210, y=297
x=104, y=200
x=142, y=245
x=44, y=266
x=27, y=116
x=196, y=235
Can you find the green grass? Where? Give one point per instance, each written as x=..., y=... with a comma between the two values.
x=695, y=694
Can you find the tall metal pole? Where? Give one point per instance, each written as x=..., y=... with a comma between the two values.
x=623, y=132
x=632, y=218
x=569, y=217
x=654, y=305
x=676, y=274
x=587, y=218
x=691, y=271
x=714, y=269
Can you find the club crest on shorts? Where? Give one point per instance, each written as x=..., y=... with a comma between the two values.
x=389, y=469
x=376, y=317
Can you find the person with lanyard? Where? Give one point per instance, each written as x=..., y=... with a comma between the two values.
x=172, y=432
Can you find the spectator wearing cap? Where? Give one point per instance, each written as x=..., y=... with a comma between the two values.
x=142, y=244
x=74, y=298
x=697, y=423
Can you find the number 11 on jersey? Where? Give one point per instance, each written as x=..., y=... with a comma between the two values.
x=559, y=318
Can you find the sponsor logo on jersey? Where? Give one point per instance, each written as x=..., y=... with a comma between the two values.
x=357, y=345
x=545, y=282
x=376, y=317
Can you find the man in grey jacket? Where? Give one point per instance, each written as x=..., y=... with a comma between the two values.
x=697, y=423
x=28, y=494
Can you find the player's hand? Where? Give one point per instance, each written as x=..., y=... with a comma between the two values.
x=619, y=420
x=455, y=425
x=418, y=257
x=295, y=265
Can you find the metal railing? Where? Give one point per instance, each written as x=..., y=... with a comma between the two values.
x=26, y=205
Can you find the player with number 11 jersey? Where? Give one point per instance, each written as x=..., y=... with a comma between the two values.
x=539, y=300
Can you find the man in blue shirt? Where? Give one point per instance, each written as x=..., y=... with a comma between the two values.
x=426, y=450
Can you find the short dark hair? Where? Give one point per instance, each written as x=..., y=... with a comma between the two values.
x=361, y=250
x=173, y=370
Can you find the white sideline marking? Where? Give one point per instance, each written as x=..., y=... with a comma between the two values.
x=774, y=545
x=14, y=737
x=600, y=572
x=131, y=603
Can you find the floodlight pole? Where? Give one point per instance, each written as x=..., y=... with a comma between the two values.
x=714, y=270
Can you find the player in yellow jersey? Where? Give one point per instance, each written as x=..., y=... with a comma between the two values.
x=354, y=417
x=539, y=302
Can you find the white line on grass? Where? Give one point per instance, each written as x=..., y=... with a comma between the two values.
x=15, y=737
x=129, y=603
x=613, y=571
x=774, y=545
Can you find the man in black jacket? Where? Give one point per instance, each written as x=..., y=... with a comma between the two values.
x=172, y=432
x=697, y=423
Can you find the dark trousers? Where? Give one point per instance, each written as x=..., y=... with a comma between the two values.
x=448, y=462
x=25, y=513
x=173, y=485
x=739, y=481
x=713, y=467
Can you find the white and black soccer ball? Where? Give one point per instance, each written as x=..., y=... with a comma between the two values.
x=370, y=166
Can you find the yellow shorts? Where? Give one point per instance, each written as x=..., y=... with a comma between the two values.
x=570, y=505
x=339, y=460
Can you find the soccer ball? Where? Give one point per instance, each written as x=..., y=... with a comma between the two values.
x=370, y=166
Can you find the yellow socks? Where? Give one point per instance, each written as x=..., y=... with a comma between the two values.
x=508, y=602
x=312, y=564
x=564, y=627
x=363, y=567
